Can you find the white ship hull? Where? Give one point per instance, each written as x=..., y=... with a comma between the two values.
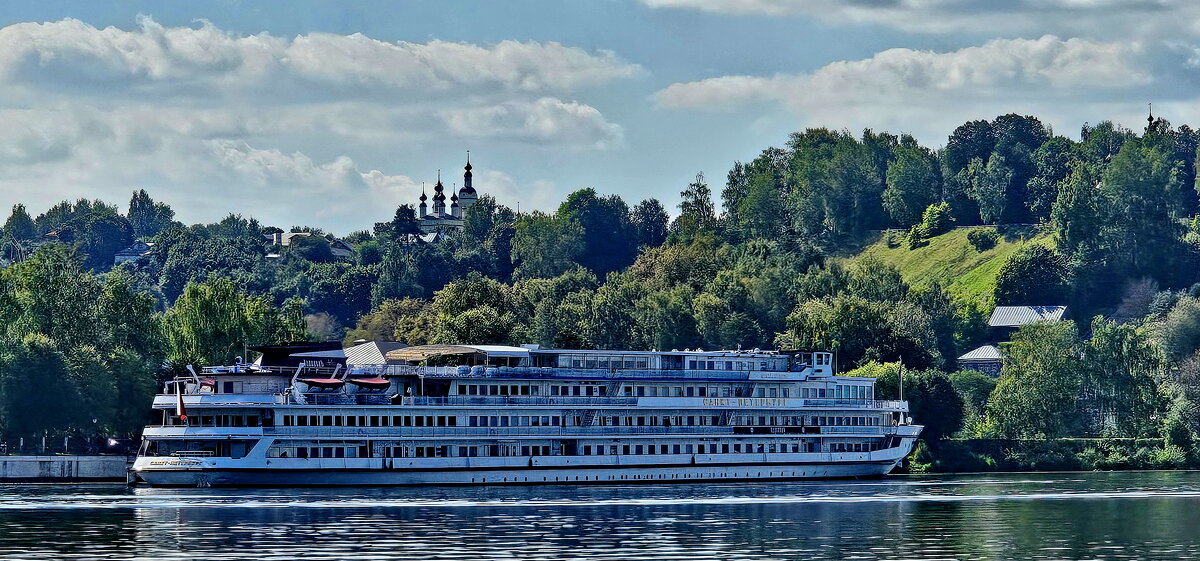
x=531, y=471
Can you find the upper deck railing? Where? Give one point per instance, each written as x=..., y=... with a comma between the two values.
x=352, y=400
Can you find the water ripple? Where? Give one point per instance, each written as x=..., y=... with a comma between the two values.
x=1060, y=516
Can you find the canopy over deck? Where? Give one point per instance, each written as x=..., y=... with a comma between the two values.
x=466, y=354
x=422, y=353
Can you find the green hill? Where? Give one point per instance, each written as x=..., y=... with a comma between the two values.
x=966, y=273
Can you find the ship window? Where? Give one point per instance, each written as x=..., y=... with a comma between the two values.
x=773, y=392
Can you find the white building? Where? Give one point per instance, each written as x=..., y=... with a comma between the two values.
x=440, y=217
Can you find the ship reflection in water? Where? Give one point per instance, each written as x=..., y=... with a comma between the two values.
x=1017, y=516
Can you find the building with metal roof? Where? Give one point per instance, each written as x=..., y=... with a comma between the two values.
x=986, y=359
x=1016, y=316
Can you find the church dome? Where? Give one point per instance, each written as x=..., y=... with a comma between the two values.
x=467, y=191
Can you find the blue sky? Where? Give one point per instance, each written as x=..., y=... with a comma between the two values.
x=331, y=114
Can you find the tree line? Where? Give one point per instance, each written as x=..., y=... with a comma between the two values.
x=757, y=265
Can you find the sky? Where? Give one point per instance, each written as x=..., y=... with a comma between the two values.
x=332, y=114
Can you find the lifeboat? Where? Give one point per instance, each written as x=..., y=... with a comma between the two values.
x=327, y=383
x=370, y=383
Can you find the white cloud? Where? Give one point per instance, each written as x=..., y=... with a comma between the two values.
x=539, y=194
x=913, y=89
x=192, y=61
x=204, y=117
x=537, y=122
x=1083, y=18
x=1003, y=67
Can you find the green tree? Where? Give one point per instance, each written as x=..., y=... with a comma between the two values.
x=650, y=223
x=934, y=403
x=989, y=187
x=762, y=210
x=146, y=217
x=1035, y=275
x=54, y=296
x=608, y=236
x=852, y=202
x=1037, y=395
x=1078, y=215
x=37, y=391
x=1053, y=161
x=1179, y=332
x=473, y=309
x=911, y=181
x=1141, y=185
x=20, y=225
x=937, y=219
x=545, y=246
x=311, y=248
x=1120, y=367
x=405, y=320
x=665, y=321
x=974, y=388
x=973, y=140
x=402, y=225
x=212, y=322
x=696, y=210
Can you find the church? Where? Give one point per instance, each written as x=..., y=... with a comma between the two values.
x=443, y=218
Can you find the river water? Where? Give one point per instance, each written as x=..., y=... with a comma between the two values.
x=1143, y=515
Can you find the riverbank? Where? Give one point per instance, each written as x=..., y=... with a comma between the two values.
x=1052, y=455
x=50, y=469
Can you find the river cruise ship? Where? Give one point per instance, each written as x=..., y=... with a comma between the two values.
x=487, y=414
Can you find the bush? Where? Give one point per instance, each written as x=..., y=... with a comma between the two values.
x=1090, y=459
x=916, y=237
x=1163, y=302
x=1170, y=457
x=983, y=239
x=1034, y=275
x=937, y=219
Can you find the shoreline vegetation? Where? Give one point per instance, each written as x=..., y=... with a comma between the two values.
x=871, y=245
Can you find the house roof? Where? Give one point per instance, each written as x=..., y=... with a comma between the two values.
x=986, y=352
x=1016, y=316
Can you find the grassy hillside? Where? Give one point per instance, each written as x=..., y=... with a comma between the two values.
x=966, y=273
